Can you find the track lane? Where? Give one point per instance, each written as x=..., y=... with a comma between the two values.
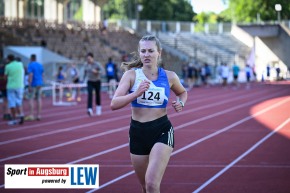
x=196, y=109
x=206, y=137
x=128, y=177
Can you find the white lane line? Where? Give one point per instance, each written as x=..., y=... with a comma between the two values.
x=123, y=128
x=39, y=125
x=92, y=156
x=63, y=144
x=82, y=112
x=99, y=154
x=179, y=127
x=210, y=165
x=241, y=156
x=208, y=137
x=115, y=180
x=59, y=130
x=118, y=147
x=126, y=127
x=215, y=166
x=56, y=112
x=81, y=117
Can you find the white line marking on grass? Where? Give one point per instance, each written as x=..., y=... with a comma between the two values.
x=241, y=156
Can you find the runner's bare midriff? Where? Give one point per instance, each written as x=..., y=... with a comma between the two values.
x=147, y=114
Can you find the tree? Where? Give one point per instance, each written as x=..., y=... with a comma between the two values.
x=157, y=10
x=182, y=10
x=115, y=9
x=247, y=10
x=166, y=10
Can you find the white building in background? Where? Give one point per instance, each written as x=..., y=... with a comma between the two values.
x=88, y=11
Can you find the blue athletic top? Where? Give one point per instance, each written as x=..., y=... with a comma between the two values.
x=158, y=93
x=60, y=77
x=110, y=69
x=37, y=69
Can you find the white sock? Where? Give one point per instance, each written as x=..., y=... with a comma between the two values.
x=99, y=110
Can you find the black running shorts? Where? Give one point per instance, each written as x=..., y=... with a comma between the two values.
x=143, y=136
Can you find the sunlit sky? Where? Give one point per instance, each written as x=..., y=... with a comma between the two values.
x=208, y=5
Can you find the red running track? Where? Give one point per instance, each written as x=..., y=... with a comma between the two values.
x=227, y=141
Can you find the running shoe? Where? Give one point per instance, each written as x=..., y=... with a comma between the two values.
x=13, y=122
x=29, y=118
x=21, y=121
x=90, y=112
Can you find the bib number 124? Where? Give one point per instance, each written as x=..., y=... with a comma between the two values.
x=151, y=96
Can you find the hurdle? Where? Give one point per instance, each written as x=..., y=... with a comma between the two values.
x=57, y=99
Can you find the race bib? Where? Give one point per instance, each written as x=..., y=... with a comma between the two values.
x=153, y=97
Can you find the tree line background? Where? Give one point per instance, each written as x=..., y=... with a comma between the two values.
x=181, y=10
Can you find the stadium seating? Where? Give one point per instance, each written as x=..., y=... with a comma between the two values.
x=210, y=48
x=75, y=40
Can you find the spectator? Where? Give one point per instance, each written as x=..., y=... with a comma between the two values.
x=225, y=71
x=74, y=78
x=26, y=83
x=205, y=73
x=249, y=73
x=236, y=71
x=60, y=75
x=3, y=90
x=103, y=26
x=35, y=81
x=268, y=72
x=190, y=75
x=184, y=73
x=15, y=87
x=278, y=71
x=112, y=77
x=43, y=43
x=93, y=72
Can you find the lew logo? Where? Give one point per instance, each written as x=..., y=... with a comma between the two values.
x=84, y=175
x=52, y=176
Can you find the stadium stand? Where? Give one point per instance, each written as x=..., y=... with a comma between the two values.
x=74, y=40
x=210, y=48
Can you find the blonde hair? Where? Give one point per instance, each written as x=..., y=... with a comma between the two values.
x=136, y=61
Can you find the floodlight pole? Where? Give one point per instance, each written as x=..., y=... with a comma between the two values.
x=278, y=8
x=139, y=8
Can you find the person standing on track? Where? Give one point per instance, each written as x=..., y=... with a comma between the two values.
x=93, y=72
x=3, y=91
x=35, y=84
x=74, y=79
x=112, y=77
x=14, y=72
x=147, y=87
x=236, y=71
